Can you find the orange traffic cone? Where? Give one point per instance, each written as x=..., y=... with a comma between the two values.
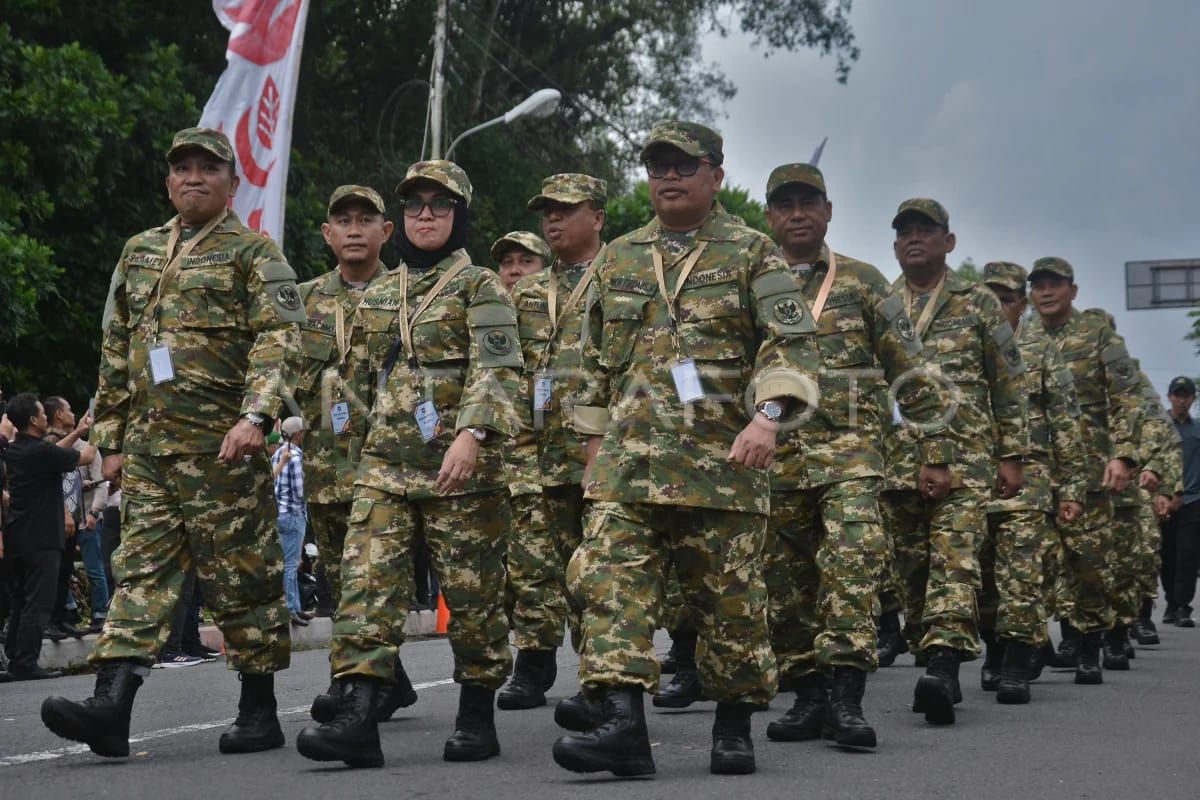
x=443, y=614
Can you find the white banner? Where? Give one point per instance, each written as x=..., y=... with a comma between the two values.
x=252, y=102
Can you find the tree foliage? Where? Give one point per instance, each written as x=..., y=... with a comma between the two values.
x=92, y=92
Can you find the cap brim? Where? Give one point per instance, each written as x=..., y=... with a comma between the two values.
x=694, y=151
x=362, y=198
x=408, y=183
x=566, y=198
x=174, y=151
x=912, y=212
x=795, y=182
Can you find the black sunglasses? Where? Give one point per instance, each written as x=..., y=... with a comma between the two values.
x=439, y=206
x=684, y=167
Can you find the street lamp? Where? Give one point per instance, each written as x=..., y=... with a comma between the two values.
x=539, y=104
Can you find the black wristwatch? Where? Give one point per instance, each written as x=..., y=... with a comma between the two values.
x=261, y=420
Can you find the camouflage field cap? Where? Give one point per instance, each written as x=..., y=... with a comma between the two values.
x=930, y=209
x=1004, y=274
x=803, y=174
x=445, y=173
x=209, y=139
x=523, y=240
x=351, y=191
x=1054, y=266
x=690, y=137
x=570, y=188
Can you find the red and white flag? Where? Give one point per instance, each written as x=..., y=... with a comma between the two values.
x=253, y=102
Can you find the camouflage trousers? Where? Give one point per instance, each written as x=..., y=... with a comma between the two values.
x=936, y=564
x=329, y=522
x=185, y=512
x=1123, y=562
x=677, y=616
x=466, y=538
x=566, y=517
x=1011, y=555
x=1149, y=556
x=618, y=570
x=538, y=550
x=824, y=557
x=1081, y=590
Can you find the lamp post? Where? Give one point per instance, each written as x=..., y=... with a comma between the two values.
x=541, y=103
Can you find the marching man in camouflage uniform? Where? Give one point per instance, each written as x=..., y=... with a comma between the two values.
x=696, y=321
x=200, y=343
x=1012, y=616
x=826, y=546
x=936, y=516
x=1106, y=385
x=442, y=335
x=335, y=391
x=549, y=314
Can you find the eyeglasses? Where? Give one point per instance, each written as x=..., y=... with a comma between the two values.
x=438, y=206
x=684, y=167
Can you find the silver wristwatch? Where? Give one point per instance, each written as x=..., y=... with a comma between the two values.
x=479, y=433
x=260, y=420
x=771, y=409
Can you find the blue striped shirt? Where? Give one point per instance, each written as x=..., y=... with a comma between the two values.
x=289, y=483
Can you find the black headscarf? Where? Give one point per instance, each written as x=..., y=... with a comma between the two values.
x=417, y=258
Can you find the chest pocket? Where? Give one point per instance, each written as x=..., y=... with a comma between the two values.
x=1088, y=390
x=380, y=329
x=710, y=322
x=623, y=315
x=139, y=286
x=533, y=327
x=441, y=332
x=208, y=298
x=958, y=351
x=318, y=351
x=842, y=337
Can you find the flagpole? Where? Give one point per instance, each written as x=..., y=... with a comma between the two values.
x=438, y=90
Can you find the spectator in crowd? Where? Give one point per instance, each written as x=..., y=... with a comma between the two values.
x=61, y=419
x=287, y=467
x=110, y=534
x=35, y=534
x=1181, y=529
x=7, y=434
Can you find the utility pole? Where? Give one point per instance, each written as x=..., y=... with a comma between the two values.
x=437, y=91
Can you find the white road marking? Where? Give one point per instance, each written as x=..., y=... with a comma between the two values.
x=76, y=749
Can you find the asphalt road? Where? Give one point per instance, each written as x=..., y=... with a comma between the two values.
x=1136, y=736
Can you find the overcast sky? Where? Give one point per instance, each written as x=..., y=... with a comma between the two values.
x=1067, y=128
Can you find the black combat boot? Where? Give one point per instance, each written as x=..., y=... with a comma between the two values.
x=1087, y=670
x=352, y=735
x=1114, y=648
x=803, y=720
x=257, y=725
x=993, y=658
x=102, y=721
x=733, y=750
x=1068, y=648
x=1014, y=675
x=325, y=705
x=579, y=712
x=844, y=721
x=1042, y=656
x=891, y=642
x=620, y=744
x=474, y=737
x=397, y=695
x=667, y=664
x=527, y=689
x=937, y=690
x=1144, y=629
x=684, y=688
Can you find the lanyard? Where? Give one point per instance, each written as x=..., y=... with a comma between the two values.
x=175, y=264
x=670, y=299
x=826, y=286
x=927, y=313
x=407, y=321
x=556, y=319
x=339, y=315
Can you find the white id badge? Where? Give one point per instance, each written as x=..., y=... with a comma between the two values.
x=339, y=416
x=161, y=368
x=543, y=393
x=428, y=421
x=687, y=381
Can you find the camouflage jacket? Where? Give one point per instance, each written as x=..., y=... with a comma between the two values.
x=468, y=364
x=741, y=317
x=1056, y=465
x=970, y=348
x=1158, y=445
x=560, y=453
x=864, y=337
x=330, y=459
x=229, y=316
x=1106, y=384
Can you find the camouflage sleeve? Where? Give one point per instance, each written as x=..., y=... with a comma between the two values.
x=1160, y=451
x=273, y=314
x=1070, y=460
x=112, y=391
x=494, y=362
x=1002, y=362
x=589, y=415
x=1124, y=399
x=787, y=361
x=521, y=457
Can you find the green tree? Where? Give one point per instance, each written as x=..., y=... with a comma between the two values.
x=968, y=270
